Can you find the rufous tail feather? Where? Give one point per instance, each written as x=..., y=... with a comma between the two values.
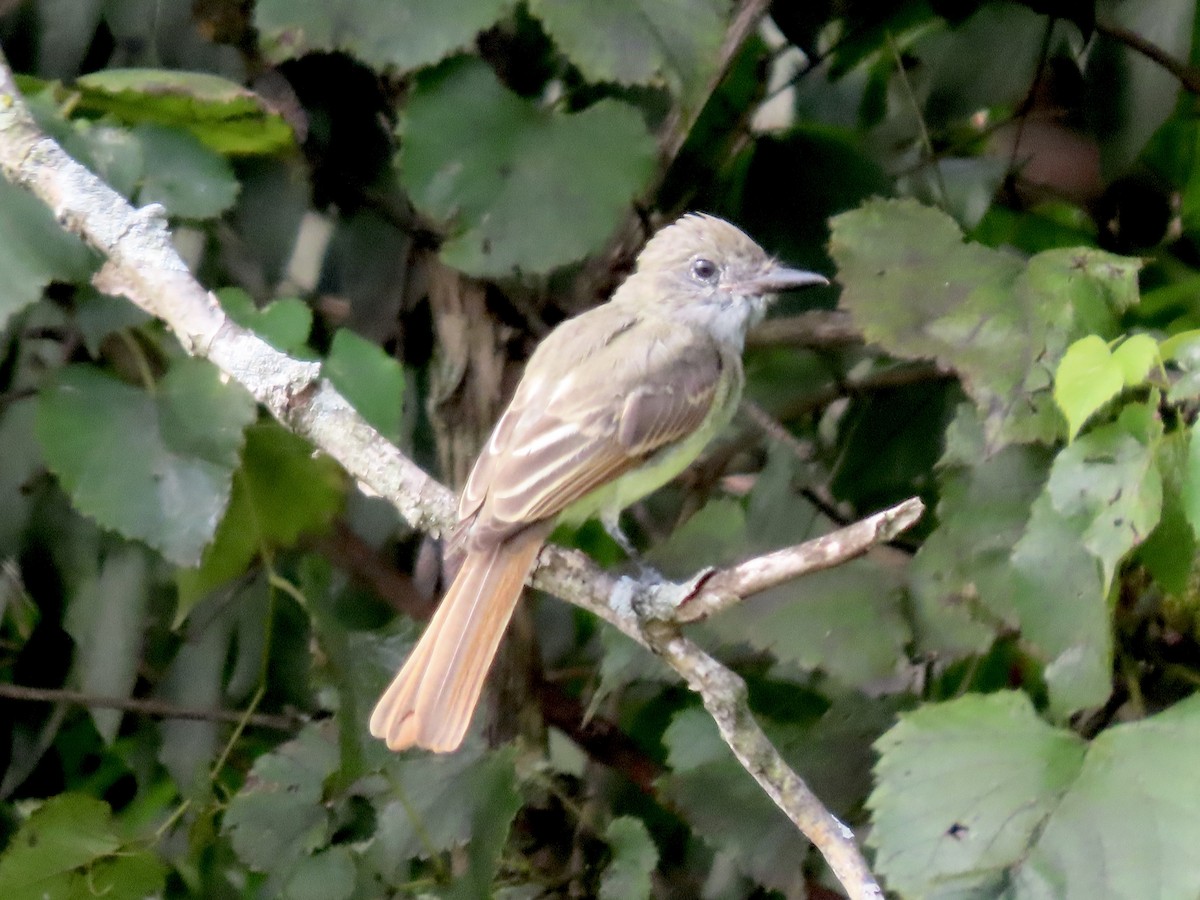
x=430, y=702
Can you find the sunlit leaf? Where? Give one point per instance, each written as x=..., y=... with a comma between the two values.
x=1086, y=379
x=69, y=848
x=1136, y=356
x=222, y=114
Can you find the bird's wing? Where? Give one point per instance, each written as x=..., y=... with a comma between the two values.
x=573, y=427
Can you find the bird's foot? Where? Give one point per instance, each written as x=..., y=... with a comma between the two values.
x=651, y=596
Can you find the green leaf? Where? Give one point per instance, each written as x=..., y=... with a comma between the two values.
x=848, y=622
x=1169, y=551
x=194, y=678
x=520, y=188
x=438, y=799
x=382, y=34
x=34, y=251
x=1049, y=807
x=939, y=825
x=113, y=153
x=634, y=859
x=1184, y=345
x=1108, y=485
x=1138, y=790
x=223, y=115
x=1191, y=482
x=285, y=323
x=1057, y=599
x=716, y=534
x=640, y=41
x=99, y=315
x=154, y=467
x=962, y=575
x=446, y=801
x=1137, y=356
x=1185, y=354
x=68, y=849
x=919, y=291
x=1004, y=559
x=280, y=493
x=187, y=178
x=370, y=379
x=1087, y=377
x=278, y=817
x=106, y=618
x=327, y=875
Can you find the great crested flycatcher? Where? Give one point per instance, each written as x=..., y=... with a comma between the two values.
x=613, y=404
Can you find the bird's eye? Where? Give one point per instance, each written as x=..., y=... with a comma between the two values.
x=704, y=269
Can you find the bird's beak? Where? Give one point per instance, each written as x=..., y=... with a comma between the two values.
x=778, y=278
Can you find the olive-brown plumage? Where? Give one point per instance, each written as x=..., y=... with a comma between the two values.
x=613, y=404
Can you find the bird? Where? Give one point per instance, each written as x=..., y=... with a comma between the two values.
x=613, y=404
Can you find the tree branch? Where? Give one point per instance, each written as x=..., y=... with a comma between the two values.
x=1188, y=76
x=818, y=329
x=735, y=584
x=156, y=708
x=142, y=265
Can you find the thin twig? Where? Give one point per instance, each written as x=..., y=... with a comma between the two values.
x=817, y=329
x=737, y=583
x=922, y=128
x=156, y=708
x=1188, y=76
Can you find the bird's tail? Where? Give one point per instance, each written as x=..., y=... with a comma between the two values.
x=430, y=702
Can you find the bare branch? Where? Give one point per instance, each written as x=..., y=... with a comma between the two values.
x=817, y=329
x=732, y=585
x=156, y=708
x=143, y=266
x=724, y=695
x=1188, y=76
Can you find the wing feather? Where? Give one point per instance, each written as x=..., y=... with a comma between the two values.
x=558, y=442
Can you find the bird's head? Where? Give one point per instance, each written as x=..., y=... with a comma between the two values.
x=701, y=265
